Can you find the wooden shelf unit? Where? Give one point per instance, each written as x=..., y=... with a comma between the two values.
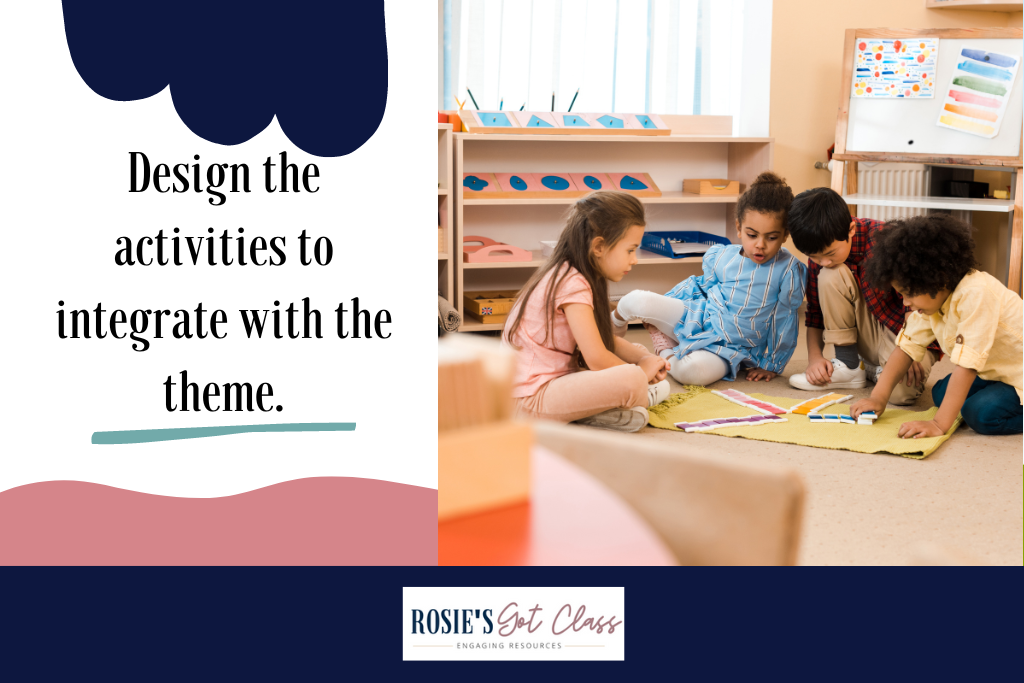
x=445, y=264
x=976, y=5
x=700, y=147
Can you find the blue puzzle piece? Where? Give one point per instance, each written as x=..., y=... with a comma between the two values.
x=517, y=183
x=592, y=182
x=471, y=182
x=628, y=182
x=610, y=122
x=574, y=121
x=553, y=182
x=537, y=122
x=645, y=121
x=495, y=118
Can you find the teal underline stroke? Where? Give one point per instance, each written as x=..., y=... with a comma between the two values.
x=152, y=435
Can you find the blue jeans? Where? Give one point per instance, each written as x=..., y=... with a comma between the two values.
x=991, y=408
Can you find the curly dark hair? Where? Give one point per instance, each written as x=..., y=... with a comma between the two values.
x=922, y=255
x=768, y=194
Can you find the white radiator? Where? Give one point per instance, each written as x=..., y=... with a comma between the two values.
x=904, y=180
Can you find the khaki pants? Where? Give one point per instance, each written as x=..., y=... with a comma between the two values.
x=849, y=321
x=585, y=393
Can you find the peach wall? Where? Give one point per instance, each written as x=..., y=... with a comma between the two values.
x=807, y=48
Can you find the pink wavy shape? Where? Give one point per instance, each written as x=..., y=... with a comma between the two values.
x=316, y=521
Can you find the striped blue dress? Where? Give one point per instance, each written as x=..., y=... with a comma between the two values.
x=742, y=311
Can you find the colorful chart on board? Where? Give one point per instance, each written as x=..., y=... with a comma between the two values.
x=895, y=68
x=978, y=92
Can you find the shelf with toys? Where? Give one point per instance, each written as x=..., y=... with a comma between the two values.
x=699, y=147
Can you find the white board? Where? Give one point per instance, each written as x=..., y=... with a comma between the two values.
x=908, y=125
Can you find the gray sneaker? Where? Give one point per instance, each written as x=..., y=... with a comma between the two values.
x=618, y=419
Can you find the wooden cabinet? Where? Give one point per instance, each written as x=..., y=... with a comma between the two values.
x=699, y=147
x=445, y=261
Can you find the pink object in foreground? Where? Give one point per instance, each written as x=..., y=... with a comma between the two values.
x=747, y=401
x=660, y=340
x=315, y=521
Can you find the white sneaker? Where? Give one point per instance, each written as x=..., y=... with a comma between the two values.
x=656, y=393
x=842, y=378
x=618, y=419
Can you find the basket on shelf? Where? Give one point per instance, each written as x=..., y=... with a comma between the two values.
x=659, y=242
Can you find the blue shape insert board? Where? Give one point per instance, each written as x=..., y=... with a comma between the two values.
x=521, y=185
x=562, y=123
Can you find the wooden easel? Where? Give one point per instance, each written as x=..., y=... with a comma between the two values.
x=844, y=168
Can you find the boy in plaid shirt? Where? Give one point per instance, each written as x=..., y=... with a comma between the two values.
x=843, y=309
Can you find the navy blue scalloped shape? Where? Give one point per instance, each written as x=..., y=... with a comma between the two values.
x=320, y=67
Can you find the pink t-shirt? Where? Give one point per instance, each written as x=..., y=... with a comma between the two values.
x=542, y=358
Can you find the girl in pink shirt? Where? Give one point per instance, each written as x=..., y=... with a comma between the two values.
x=571, y=366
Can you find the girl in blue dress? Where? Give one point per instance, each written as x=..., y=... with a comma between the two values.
x=742, y=312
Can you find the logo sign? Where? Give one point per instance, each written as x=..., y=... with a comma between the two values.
x=549, y=624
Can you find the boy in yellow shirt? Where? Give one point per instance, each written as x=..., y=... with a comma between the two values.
x=977, y=321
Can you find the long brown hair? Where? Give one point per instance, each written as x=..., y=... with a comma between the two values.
x=606, y=214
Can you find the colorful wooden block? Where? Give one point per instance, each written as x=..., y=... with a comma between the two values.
x=483, y=467
x=747, y=401
x=813, y=405
x=719, y=423
x=477, y=183
x=637, y=184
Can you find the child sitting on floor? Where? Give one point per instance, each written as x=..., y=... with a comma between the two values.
x=562, y=314
x=977, y=321
x=743, y=311
x=860, y=321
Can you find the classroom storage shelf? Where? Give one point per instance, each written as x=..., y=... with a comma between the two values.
x=699, y=147
x=643, y=258
x=948, y=203
x=669, y=197
x=976, y=5
x=445, y=247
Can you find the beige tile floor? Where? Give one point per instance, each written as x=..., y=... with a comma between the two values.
x=965, y=498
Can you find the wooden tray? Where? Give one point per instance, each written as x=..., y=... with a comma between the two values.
x=492, y=252
x=712, y=186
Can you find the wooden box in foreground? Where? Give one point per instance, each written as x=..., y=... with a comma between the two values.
x=481, y=468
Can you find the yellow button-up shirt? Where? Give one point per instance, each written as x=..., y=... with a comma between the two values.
x=978, y=327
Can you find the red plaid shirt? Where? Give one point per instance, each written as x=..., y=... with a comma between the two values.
x=885, y=305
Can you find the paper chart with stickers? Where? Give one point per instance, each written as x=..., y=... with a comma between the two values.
x=895, y=68
x=978, y=92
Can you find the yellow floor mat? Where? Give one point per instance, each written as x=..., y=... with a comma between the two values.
x=698, y=403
